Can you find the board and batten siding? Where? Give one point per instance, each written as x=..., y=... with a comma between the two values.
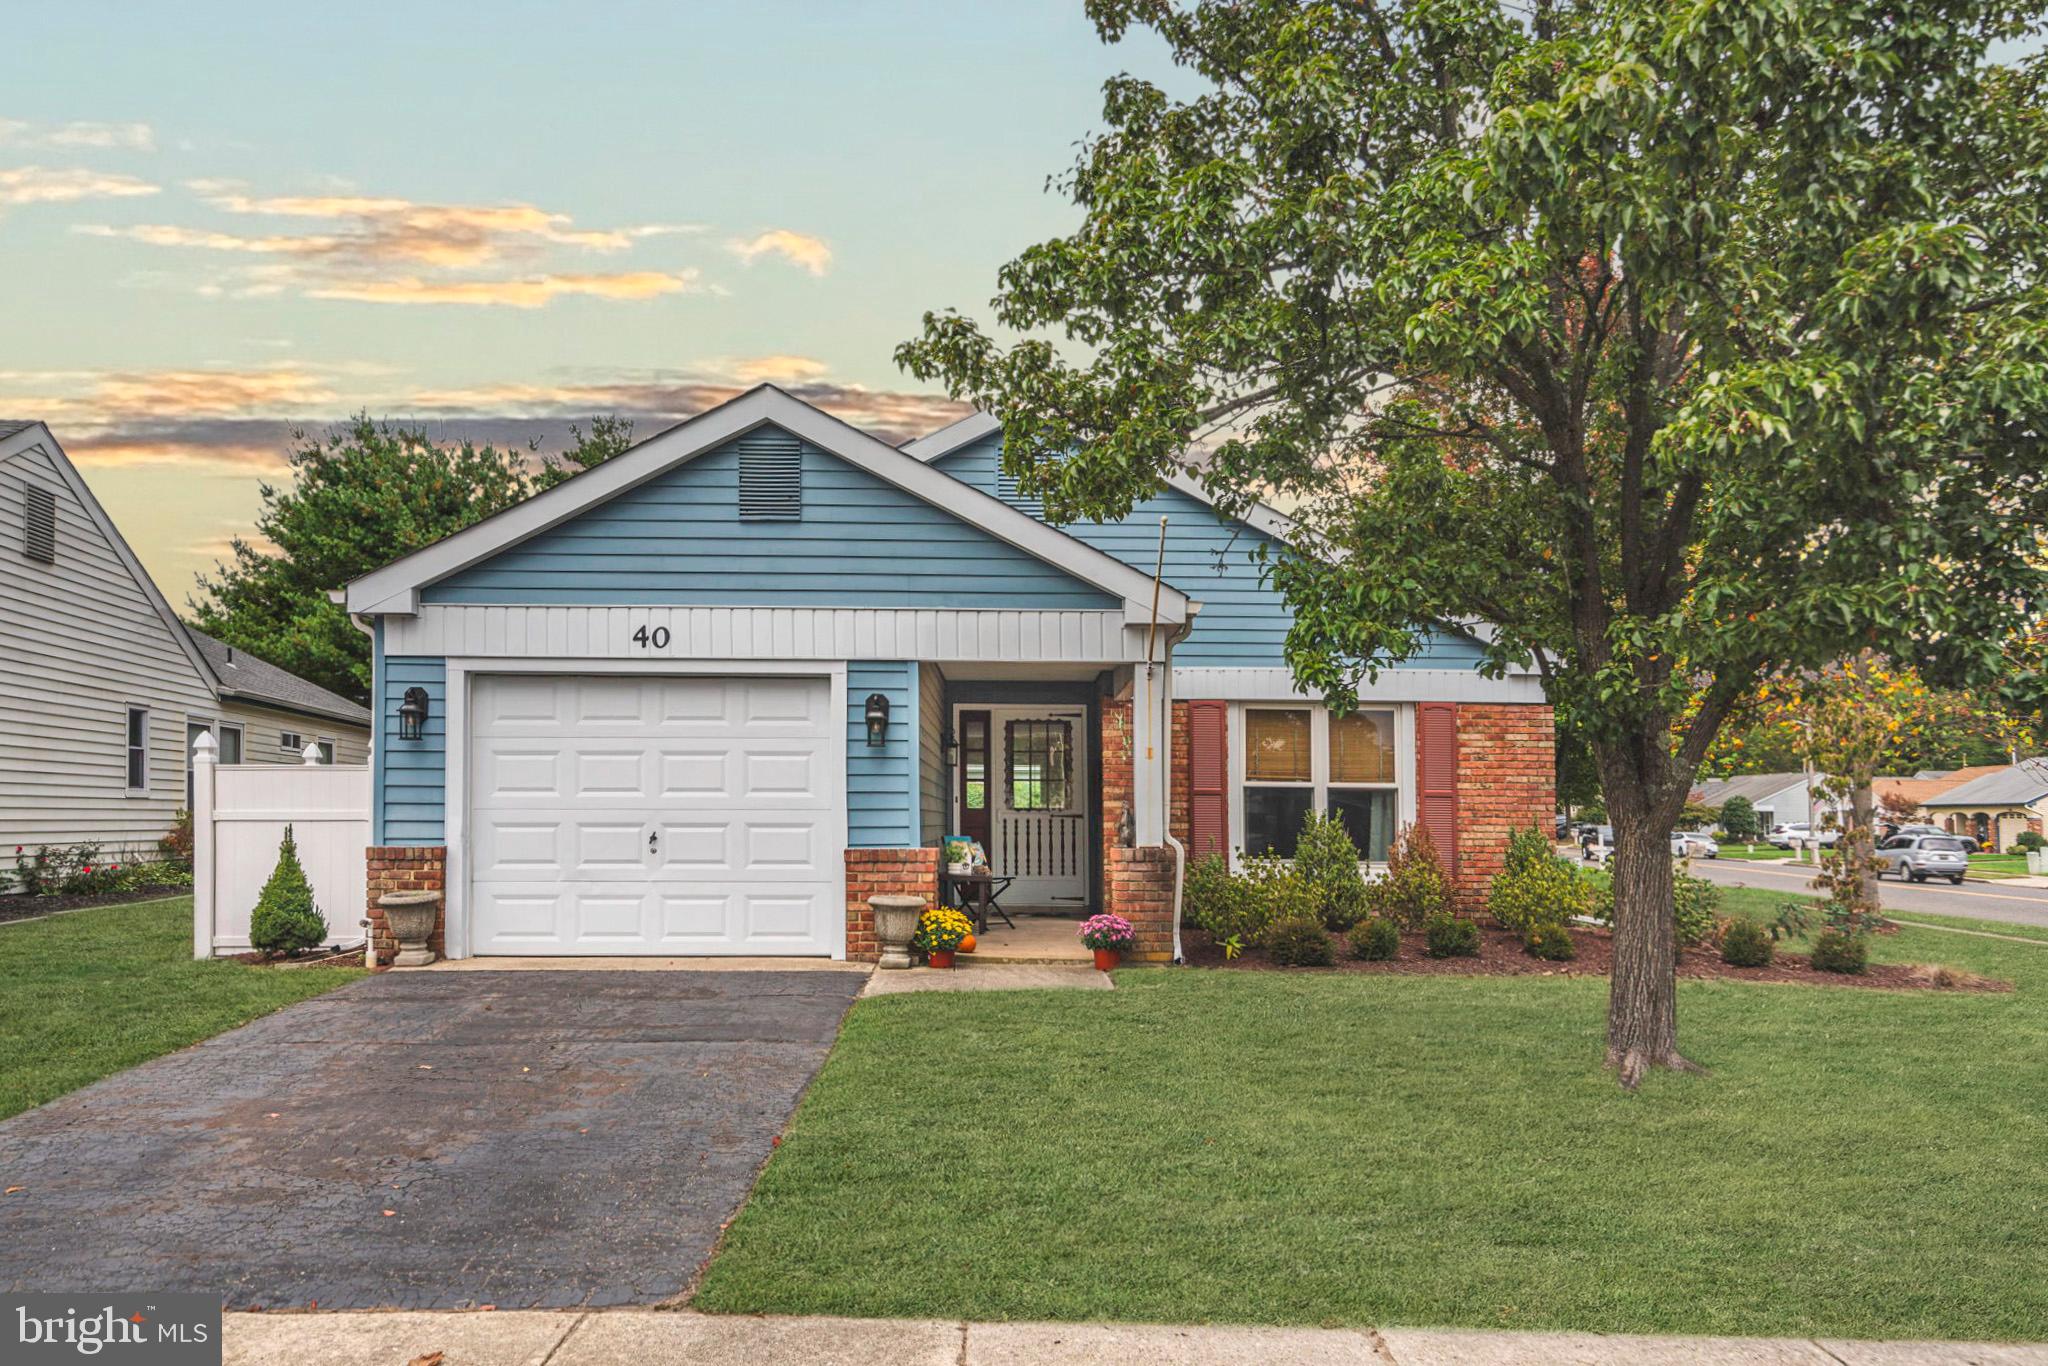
x=410, y=781
x=881, y=780
x=678, y=539
x=80, y=642
x=931, y=753
x=1244, y=620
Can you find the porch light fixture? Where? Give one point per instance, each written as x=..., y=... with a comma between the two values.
x=878, y=718
x=949, y=746
x=412, y=714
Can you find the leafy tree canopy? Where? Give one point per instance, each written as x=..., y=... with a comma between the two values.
x=358, y=498
x=1682, y=344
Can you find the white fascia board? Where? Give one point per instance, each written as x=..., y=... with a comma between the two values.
x=385, y=591
x=1392, y=685
x=39, y=434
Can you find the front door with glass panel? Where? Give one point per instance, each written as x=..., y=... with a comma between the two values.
x=1025, y=796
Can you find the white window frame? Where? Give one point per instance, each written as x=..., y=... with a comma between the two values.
x=329, y=750
x=291, y=741
x=128, y=750
x=221, y=728
x=1319, y=765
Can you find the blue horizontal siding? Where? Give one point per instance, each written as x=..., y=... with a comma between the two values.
x=678, y=540
x=411, y=781
x=1244, y=620
x=881, y=780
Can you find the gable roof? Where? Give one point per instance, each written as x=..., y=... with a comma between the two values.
x=955, y=436
x=1929, y=784
x=395, y=589
x=2020, y=784
x=1752, y=787
x=20, y=437
x=246, y=678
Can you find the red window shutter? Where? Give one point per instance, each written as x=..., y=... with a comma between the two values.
x=1208, y=779
x=1436, y=740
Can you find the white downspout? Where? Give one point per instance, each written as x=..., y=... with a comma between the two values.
x=1165, y=695
x=370, y=759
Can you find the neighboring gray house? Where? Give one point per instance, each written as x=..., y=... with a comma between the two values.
x=1779, y=798
x=102, y=688
x=1997, y=807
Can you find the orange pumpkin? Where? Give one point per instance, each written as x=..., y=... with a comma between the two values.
x=967, y=945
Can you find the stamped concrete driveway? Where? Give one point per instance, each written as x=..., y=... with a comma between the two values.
x=427, y=1140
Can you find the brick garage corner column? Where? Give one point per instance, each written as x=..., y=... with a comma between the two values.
x=1507, y=781
x=406, y=868
x=883, y=872
x=1141, y=891
x=1177, y=805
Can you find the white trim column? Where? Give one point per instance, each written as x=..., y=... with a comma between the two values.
x=204, y=750
x=1151, y=749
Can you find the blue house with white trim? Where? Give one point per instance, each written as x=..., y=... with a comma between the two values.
x=708, y=697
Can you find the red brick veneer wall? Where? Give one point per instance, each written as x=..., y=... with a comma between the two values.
x=406, y=868
x=1115, y=743
x=1141, y=891
x=884, y=872
x=1507, y=781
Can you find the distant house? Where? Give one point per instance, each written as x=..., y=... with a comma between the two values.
x=102, y=688
x=1997, y=806
x=1915, y=793
x=1779, y=798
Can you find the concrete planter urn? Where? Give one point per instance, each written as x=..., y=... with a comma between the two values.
x=895, y=923
x=411, y=916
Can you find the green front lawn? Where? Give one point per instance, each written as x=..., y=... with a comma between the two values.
x=88, y=993
x=1998, y=865
x=1753, y=851
x=1302, y=1148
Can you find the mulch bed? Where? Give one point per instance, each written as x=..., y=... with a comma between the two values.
x=29, y=907
x=1501, y=955
x=312, y=958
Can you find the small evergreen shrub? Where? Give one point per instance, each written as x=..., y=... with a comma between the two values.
x=1375, y=939
x=2027, y=841
x=285, y=919
x=1217, y=900
x=1550, y=941
x=1275, y=890
x=1837, y=951
x=1415, y=887
x=1694, y=900
x=1746, y=944
x=1448, y=936
x=1300, y=942
x=1536, y=887
x=1327, y=861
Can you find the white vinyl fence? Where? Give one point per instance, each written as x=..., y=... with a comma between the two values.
x=239, y=812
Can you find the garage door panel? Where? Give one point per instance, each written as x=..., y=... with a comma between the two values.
x=620, y=815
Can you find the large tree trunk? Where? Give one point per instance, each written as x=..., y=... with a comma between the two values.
x=1642, y=998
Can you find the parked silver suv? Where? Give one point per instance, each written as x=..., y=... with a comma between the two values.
x=1920, y=857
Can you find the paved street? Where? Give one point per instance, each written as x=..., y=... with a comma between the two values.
x=1977, y=900
x=427, y=1140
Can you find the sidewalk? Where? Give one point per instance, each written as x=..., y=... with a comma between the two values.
x=635, y=1337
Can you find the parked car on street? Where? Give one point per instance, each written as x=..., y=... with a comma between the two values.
x=1692, y=844
x=1799, y=833
x=1920, y=857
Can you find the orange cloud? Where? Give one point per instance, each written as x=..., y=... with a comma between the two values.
x=777, y=369
x=531, y=292
x=51, y=185
x=800, y=249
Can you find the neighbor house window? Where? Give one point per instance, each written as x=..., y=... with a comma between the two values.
x=1302, y=759
x=1041, y=759
x=290, y=740
x=326, y=750
x=229, y=752
x=138, y=749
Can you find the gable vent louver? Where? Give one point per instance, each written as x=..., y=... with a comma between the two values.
x=771, y=478
x=1010, y=492
x=39, y=524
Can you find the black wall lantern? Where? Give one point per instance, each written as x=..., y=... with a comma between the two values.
x=878, y=718
x=412, y=714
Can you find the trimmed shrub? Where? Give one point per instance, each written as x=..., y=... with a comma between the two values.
x=1536, y=887
x=1376, y=939
x=285, y=919
x=1327, y=860
x=1835, y=951
x=1694, y=901
x=1300, y=942
x=1449, y=936
x=1550, y=941
x=1746, y=943
x=1275, y=890
x=2027, y=841
x=1415, y=887
x=1217, y=900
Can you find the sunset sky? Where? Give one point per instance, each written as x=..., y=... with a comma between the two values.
x=222, y=221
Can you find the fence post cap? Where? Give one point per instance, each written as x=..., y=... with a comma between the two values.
x=204, y=748
x=311, y=753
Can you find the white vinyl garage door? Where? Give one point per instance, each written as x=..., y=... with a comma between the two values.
x=635, y=815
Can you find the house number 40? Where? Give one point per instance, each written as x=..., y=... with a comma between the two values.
x=657, y=638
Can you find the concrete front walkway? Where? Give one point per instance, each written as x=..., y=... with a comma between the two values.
x=649, y=1338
